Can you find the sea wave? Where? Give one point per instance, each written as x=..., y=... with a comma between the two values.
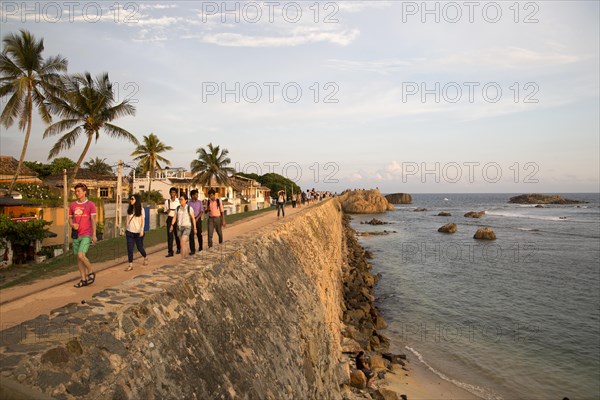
x=530, y=216
x=476, y=390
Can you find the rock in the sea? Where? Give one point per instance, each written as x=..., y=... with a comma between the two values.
x=358, y=379
x=420, y=209
x=475, y=214
x=536, y=198
x=375, y=233
x=376, y=221
x=539, y=206
x=448, y=228
x=364, y=202
x=399, y=198
x=444, y=214
x=485, y=234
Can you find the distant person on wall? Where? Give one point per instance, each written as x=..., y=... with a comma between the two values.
x=82, y=219
x=216, y=217
x=198, y=213
x=281, y=203
x=170, y=208
x=184, y=222
x=134, y=233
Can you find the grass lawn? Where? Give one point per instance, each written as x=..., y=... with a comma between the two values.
x=104, y=250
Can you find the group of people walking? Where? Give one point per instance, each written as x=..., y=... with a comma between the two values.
x=184, y=226
x=184, y=221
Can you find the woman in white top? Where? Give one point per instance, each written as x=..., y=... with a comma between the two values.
x=184, y=218
x=135, y=229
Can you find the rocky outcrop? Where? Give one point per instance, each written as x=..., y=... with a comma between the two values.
x=536, y=198
x=475, y=214
x=399, y=198
x=444, y=214
x=256, y=318
x=448, y=228
x=485, y=234
x=364, y=202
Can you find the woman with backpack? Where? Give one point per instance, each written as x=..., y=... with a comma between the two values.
x=185, y=220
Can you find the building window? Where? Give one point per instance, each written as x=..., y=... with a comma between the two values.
x=103, y=192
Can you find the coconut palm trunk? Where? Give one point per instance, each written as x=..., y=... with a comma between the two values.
x=25, y=141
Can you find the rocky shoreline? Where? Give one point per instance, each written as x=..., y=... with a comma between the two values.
x=362, y=322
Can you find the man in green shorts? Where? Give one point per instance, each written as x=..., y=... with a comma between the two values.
x=82, y=218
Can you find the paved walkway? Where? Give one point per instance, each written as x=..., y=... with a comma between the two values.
x=22, y=303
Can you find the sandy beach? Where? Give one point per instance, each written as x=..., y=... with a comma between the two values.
x=422, y=384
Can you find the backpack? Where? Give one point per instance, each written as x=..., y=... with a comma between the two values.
x=207, y=211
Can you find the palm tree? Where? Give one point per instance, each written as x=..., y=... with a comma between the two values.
x=148, y=157
x=28, y=79
x=86, y=106
x=211, y=164
x=98, y=166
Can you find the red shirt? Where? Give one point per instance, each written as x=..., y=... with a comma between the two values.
x=81, y=213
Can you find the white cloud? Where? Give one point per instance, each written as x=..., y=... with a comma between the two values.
x=148, y=6
x=240, y=40
x=490, y=59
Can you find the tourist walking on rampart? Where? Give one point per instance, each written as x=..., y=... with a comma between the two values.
x=134, y=232
x=281, y=203
x=82, y=219
x=216, y=217
x=184, y=222
x=198, y=213
x=171, y=205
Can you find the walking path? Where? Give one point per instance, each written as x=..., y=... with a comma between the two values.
x=22, y=303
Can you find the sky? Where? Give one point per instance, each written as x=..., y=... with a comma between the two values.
x=414, y=97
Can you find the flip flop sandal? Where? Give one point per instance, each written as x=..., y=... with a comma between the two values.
x=81, y=284
x=91, y=278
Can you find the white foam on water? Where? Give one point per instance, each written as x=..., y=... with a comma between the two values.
x=476, y=390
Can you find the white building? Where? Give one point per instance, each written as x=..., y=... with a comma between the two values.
x=241, y=195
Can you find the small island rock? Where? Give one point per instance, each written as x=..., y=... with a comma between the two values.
x=536, y=198
x=475, y=214
x=485, y=234
x=364, y=202
x=448, y=228
x=399, y=198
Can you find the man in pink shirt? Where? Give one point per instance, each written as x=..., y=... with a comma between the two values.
x=82, y=219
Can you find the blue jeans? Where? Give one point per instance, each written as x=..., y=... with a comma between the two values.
x=280, y=206
x=134, y=238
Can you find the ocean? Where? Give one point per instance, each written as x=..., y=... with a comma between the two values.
x=514, y=318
